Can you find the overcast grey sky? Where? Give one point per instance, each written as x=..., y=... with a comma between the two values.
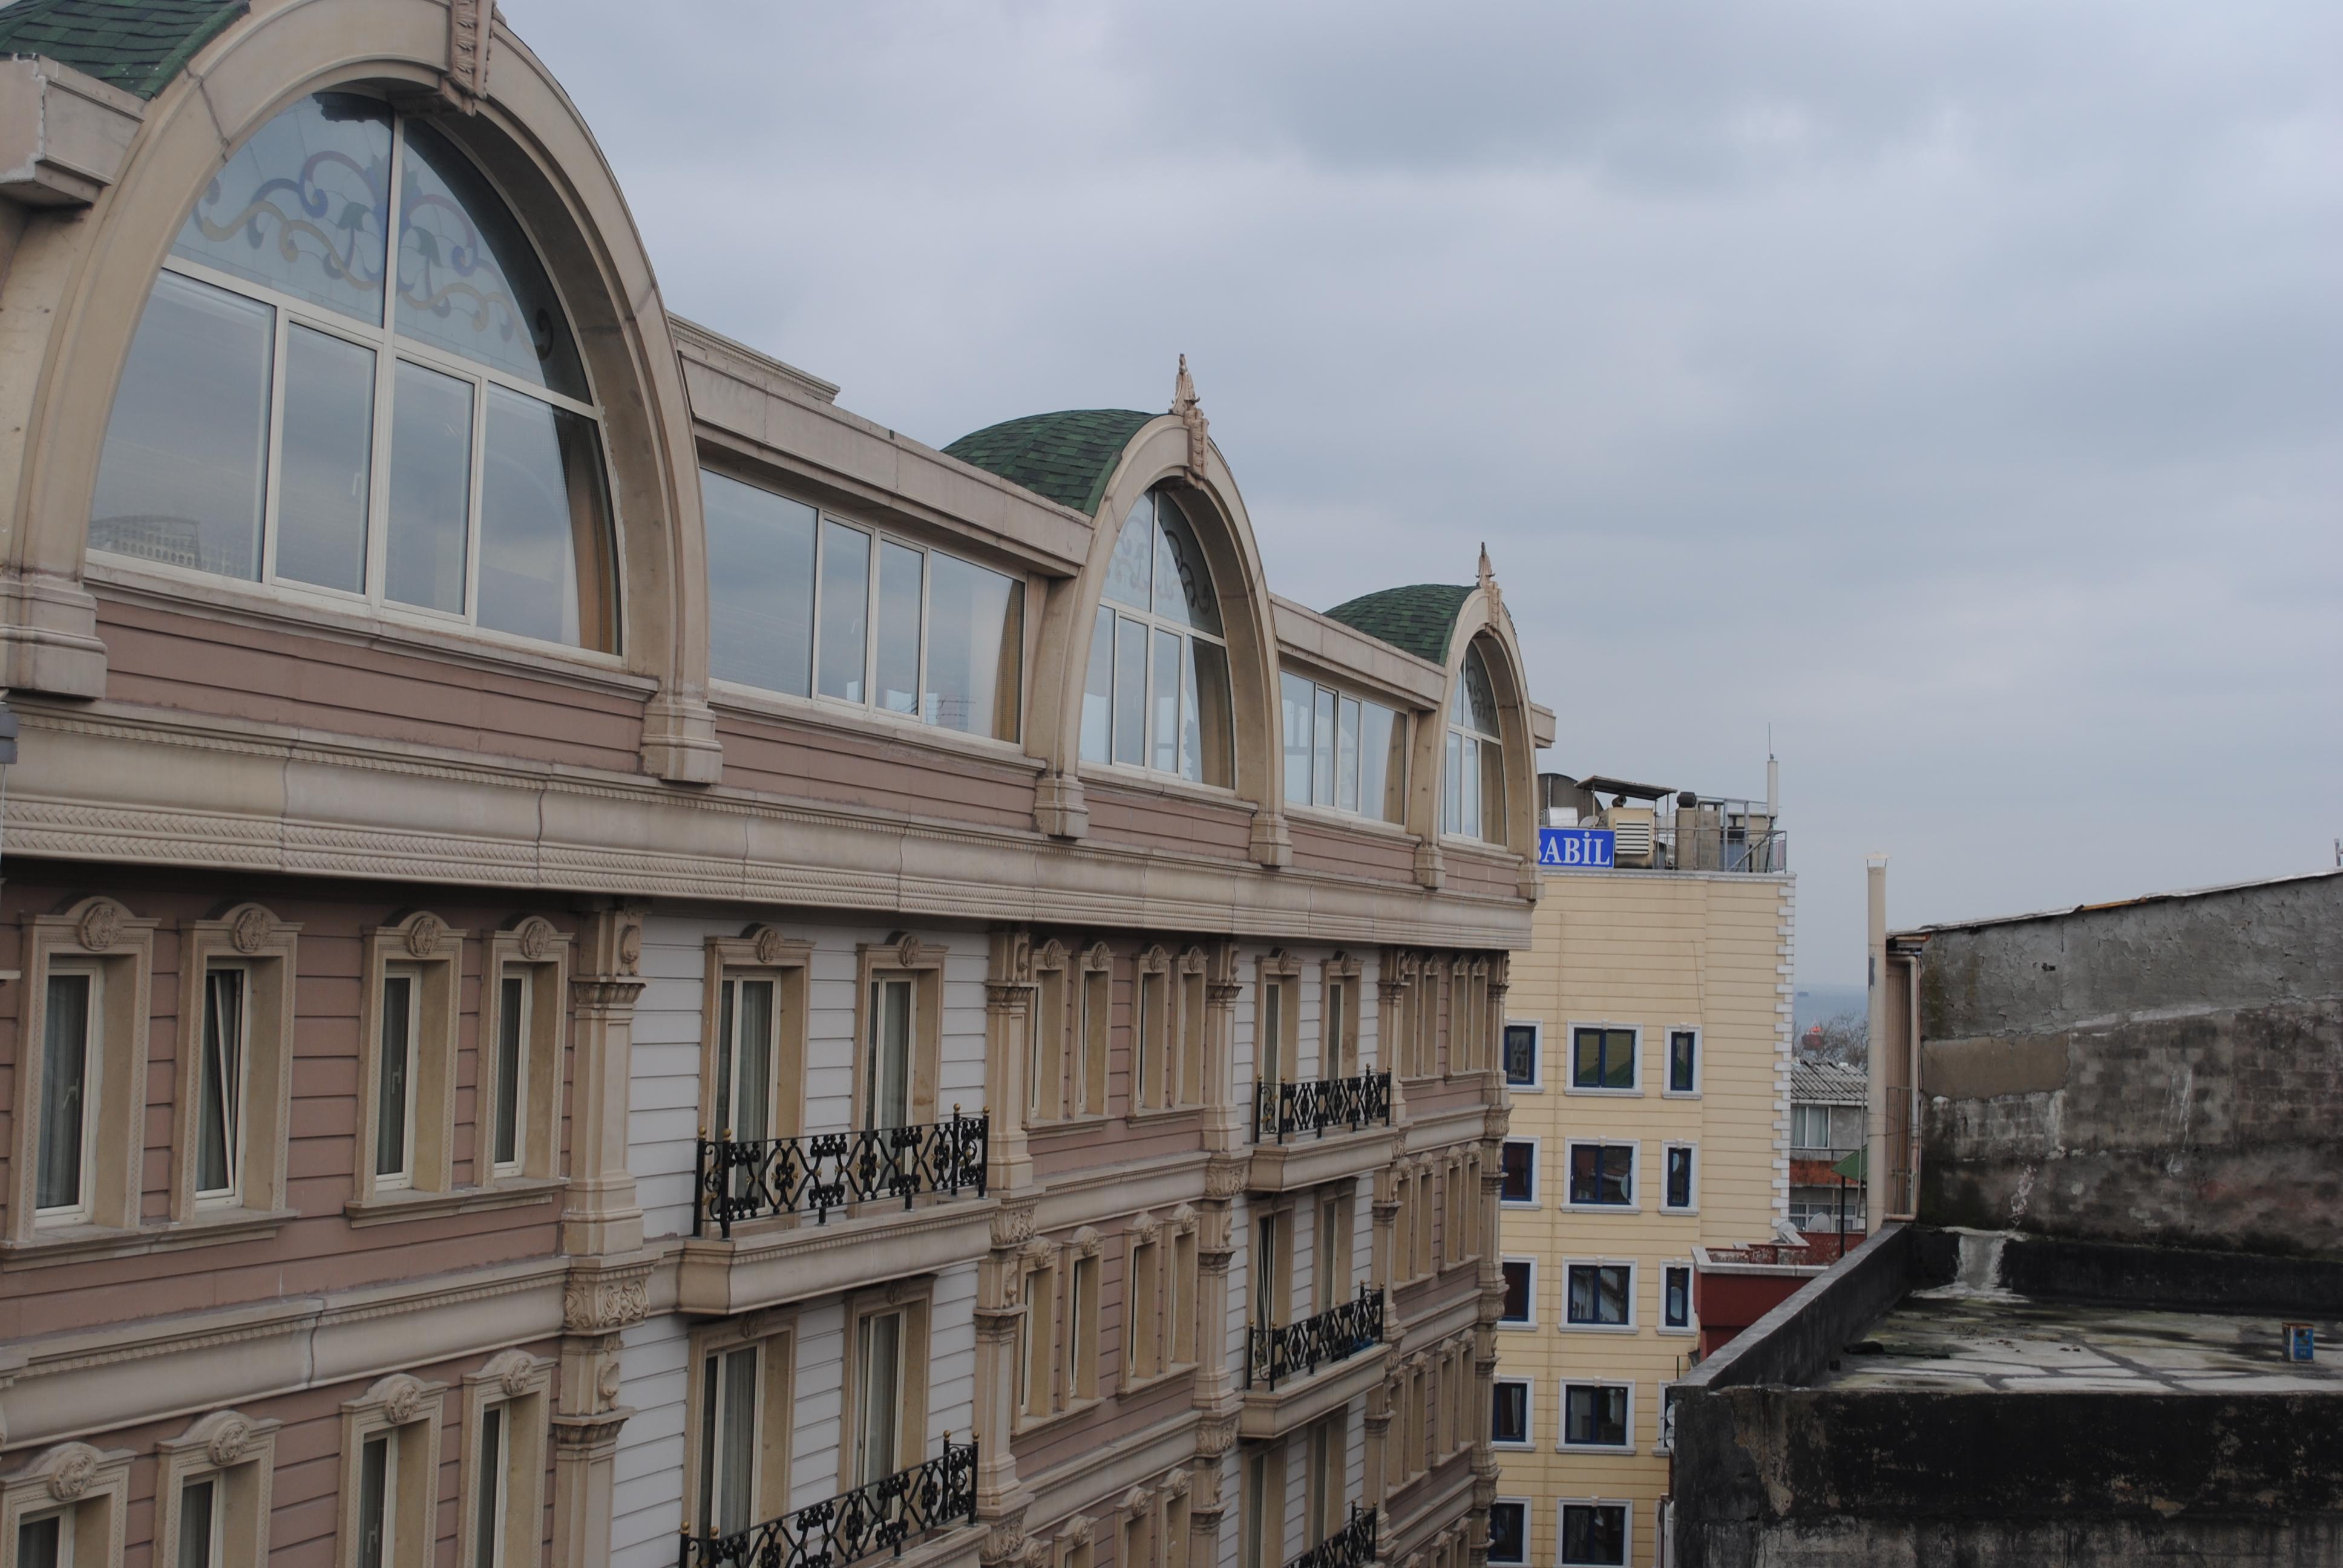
x=1957, y=387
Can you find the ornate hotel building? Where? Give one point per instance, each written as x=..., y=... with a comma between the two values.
x=602, y=962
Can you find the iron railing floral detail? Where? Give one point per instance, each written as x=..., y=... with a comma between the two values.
x=1316, y=1104
x=878, y=1517
x=1335, y=1334
x=1351, y=1546
x=825, y=1170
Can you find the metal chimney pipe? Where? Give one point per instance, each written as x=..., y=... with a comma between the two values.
x=1875, y=1142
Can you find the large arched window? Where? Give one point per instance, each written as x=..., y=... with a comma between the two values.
x=1472, y=798
x=1156, y=692
x=412, y=429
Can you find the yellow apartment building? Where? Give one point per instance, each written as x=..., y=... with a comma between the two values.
x=1648, y=1052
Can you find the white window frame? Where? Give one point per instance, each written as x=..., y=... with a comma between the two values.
x=1529, y=1414
x=1691, y=1325
x=1145, y=768
x=232, y=1195
x=83, y=1211
x=1536, y=1084
x=1635, y=1314
x=1532, y=1320
x=1524, y=1503
x=403, y=1177
x=1537, y=1155
x=1667, y=1148
x=1626, y=1533
x=1462, y=735
x=1401, y=715
x=1635, y=1204
x=1667, y=1060
x=519, y=1110
x=1562, y=1427
x=388, y=347
x=1570, y=1084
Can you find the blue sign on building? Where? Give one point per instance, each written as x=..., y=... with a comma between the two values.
x=1584, y=847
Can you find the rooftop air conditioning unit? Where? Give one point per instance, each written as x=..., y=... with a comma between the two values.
x=1631, y=830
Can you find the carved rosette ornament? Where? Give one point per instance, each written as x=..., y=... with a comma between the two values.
x=72, y=1471
x=770, y=944
x=228, y=1441
x=100, y=929
x=536, y=938
x=250, y=931
x=592, y=1305
x=402, y=1399
x=423, y=934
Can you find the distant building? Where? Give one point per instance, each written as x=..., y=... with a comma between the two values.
x=1647, y=1057
x=1826, y=1110
x=2128, y=1185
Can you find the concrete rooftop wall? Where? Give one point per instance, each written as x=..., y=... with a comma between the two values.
x=2168, y=1072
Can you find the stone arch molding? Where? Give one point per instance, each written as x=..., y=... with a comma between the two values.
x=1171, y=449
x=1483, y=618
x=85, y=276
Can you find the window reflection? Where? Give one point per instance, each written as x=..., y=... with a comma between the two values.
x=1341, y=751
x=760, y=586
x=1472, y=798
x=321, y=504
x=430, y=499
x=1156, y=693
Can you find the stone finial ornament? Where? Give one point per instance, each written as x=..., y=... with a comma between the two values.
x=1192, y=415
x=470, y=24
x=1489, y=584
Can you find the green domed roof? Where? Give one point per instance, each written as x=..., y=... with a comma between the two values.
x=1065, y=456
x=1419, y=619
x=138, y=46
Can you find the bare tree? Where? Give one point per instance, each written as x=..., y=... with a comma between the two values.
x=1844, y=1038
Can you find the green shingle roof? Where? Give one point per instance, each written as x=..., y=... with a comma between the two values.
x=1065, y=456
x=1419, y=620
x=138, y=46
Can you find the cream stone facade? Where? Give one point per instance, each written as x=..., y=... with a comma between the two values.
x=1648, y=1061
x=603, y=961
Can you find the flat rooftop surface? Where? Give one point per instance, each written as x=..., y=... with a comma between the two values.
x=1960, y=1339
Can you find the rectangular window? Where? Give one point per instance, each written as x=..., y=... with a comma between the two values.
x=1346, y=757
x=1602, y=1058
x=1676, y=1296
x=1517, y=1172
x=895, y=649
x=1091, y=1057
x=1322, y=749
x=1602, y=1175
x=1328, y=1440
x=1267, y=1244
x=976, y=648
x=68, y=1096
x=1130, y=692
x=377, y=1484
x=511, y=1070
x=1509, y=1412
x=1143, y=1344
x=1594, y=1415
x=1509, y=1535
x=731, y=1384
x=1270, y=1042
x=1677, y=1186
x=1522, y=1055
x=746, y=1019
x=1037, y=1340
x=843, y=644
x=219, y=1091
x=1684, y=1061
x=760, y=578
x=1081, y=1329
x=886, y=1101
x=202, y=1521
x=1519, y=1274
x=1264, y=1509
x=1097, y=689
x=1334, y=1049
x=1045, y=1066
x=1296, y=710
x=1181, y=1305
x=878, y=1385
x=1341, y=752
x=1594, y=1534
x=395, y=1085
x=489, y=1500
x=1600, y=1295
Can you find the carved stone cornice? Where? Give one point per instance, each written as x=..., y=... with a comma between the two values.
x=605, y=993
x=603, y=1300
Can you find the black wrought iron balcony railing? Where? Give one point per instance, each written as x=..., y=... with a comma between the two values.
x=1300, y=1349
x=1314, y=1104
x=878, y=1517
x=826, y=1170
x=1351, y=1546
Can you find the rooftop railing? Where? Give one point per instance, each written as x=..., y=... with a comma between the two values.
x=1351, y=1546
x=757, y=1177
x=1300, y=1349
x=878, y=1517
x=1280, y=1111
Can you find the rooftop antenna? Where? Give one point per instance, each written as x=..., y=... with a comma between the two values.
x=1773, y=778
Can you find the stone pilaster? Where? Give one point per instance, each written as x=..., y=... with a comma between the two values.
x=601, y=1300
x=1216, y=1387
x=1207, y=1498
x=1007, y=1040
x=1001, y=1308
x=1225, y=1121
x=600, y=1216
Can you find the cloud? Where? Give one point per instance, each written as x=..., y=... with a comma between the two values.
x=1957, y=386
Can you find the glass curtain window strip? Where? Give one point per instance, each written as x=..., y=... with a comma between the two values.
x=488, y=1489
x=886, y=1101
x=395, y=1080
x=879, y=1383
x=812, y=606
x=1156, y=688
x=377, y=1490
x=1342, y=751
x=69, y=1070
x=276, y=424
x=729, y=1395
x=513, y=1004
x=220, y=1091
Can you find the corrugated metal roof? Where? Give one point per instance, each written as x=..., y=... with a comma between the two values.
x=1828, y=1083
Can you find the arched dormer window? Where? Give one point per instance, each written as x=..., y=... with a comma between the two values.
x=309, y=406
x=1473, y=792
x=1156, y=691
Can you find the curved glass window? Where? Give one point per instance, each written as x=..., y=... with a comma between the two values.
x=1156, y=691
x=307, y=402
x=1472, y=785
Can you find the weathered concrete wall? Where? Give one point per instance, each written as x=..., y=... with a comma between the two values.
x=2167, y=1072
